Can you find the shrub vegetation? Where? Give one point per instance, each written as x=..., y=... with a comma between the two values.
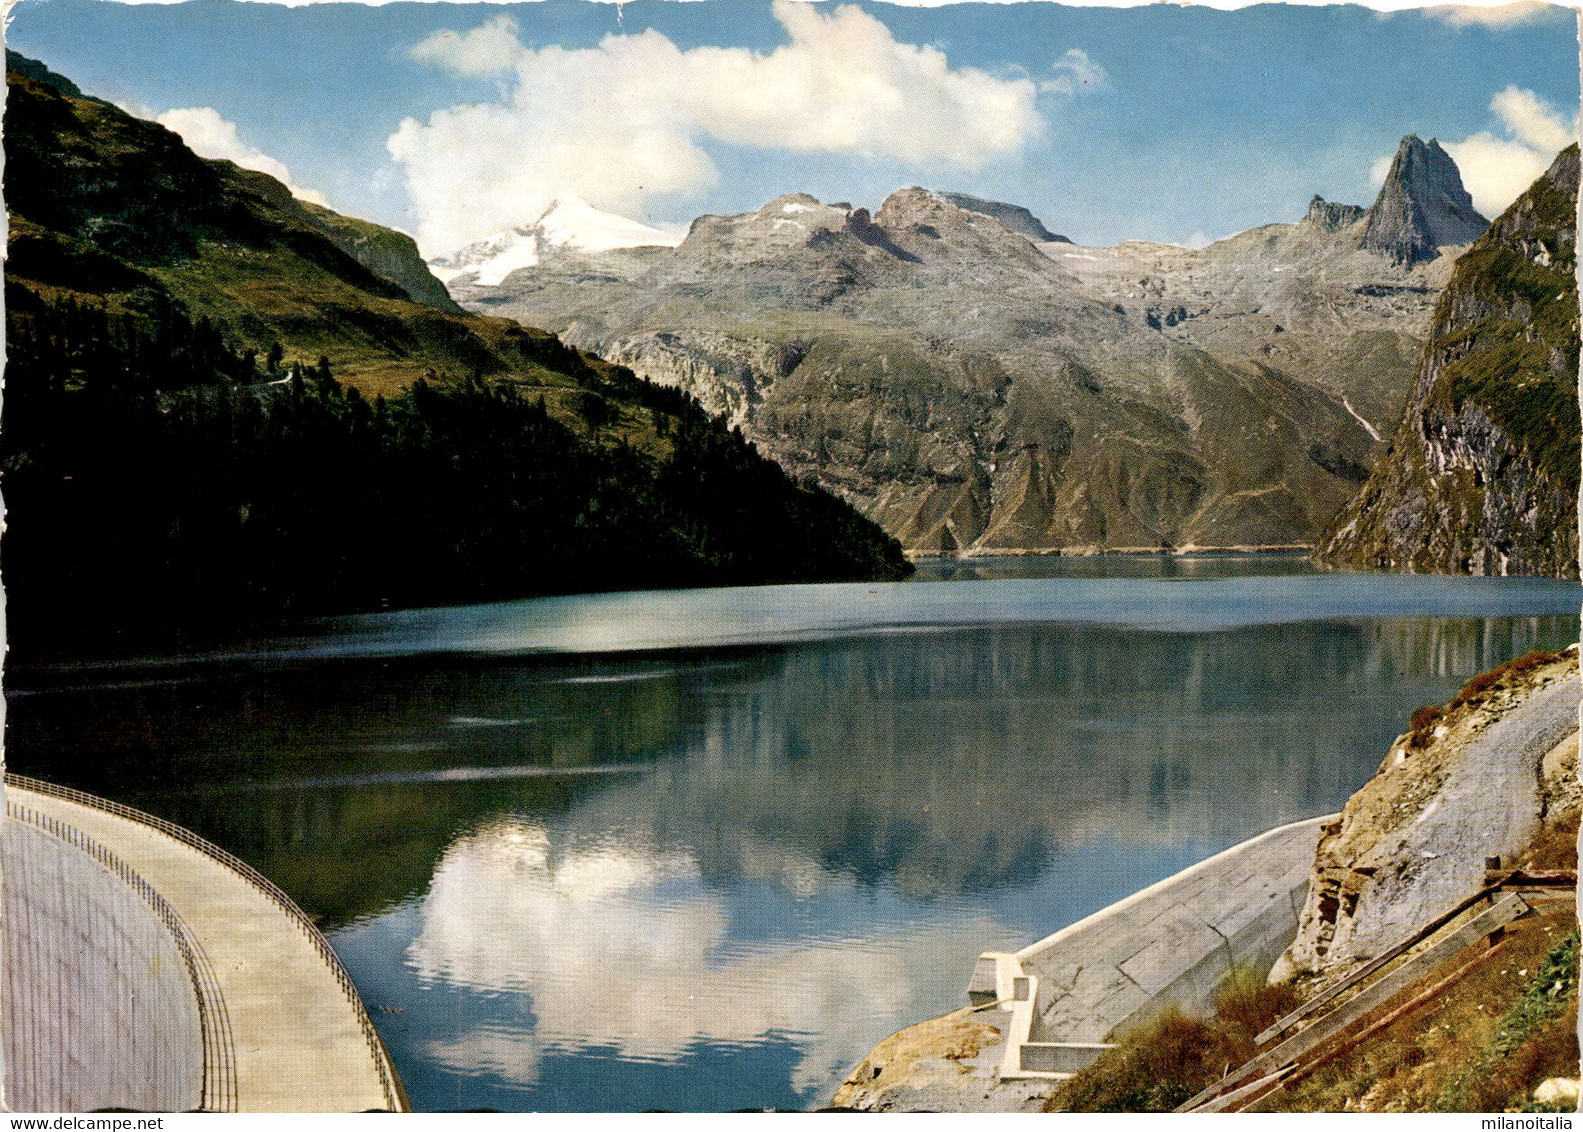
x=1169, y=1059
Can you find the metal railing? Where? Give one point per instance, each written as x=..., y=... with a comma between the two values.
x=214, y=1024
x=395, y=1095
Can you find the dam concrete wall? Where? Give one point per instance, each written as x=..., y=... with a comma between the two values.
x=280, y=1026
x=1068, y=995
x=101, y=1010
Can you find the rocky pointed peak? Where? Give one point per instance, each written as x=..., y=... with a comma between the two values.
x=1328, y=216
x=1495, y=403
x=1422, y=206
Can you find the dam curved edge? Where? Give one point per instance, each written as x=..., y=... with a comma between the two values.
x=269, y=1021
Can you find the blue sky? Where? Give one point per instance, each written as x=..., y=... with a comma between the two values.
x=1160, y=122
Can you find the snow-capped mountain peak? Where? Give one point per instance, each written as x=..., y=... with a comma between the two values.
x=569, y=223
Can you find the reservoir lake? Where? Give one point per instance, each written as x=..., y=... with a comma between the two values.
x=700, y=850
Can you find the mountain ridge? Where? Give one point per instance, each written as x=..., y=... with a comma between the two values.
x=110, y=207
x=1015, y=217
x=976, y=390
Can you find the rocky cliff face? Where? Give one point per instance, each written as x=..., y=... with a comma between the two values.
x=1422, y=206
x=387, y=253
x=1482, y=777
x=1015, y=217
x=1482, y=476
x=975, y=386
x=1328, y=216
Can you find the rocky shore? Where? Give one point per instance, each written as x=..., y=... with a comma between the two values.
x=1484, y=776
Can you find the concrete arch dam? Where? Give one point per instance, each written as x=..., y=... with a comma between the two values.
x=144, y=968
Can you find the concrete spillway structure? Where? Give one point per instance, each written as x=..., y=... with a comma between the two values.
x=1065, y=997
x=145, y=968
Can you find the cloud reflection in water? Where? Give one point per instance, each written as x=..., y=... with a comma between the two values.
x=623, y=947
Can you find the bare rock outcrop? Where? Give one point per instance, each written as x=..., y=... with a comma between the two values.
x=1015, y=217
x=729, y=376
x=1329, y=216
x=1422, y=206
x=930, y=1067
x=1481, y=777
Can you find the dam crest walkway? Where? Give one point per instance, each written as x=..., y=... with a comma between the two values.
x=146, y=968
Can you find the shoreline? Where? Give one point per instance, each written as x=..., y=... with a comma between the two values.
x=1499, y=759
x=1188, y=550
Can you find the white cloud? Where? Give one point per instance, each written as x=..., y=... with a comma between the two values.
x=1496, y=169
x=487, y=49
x=136, y=109
x=621, y=123
x=1534, y=121
x=1072, y=72
x=209, y=135
x=1495, y=16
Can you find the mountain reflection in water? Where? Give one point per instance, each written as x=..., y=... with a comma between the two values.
x=711, y=877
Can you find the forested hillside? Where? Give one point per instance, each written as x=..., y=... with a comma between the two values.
x=217, y=415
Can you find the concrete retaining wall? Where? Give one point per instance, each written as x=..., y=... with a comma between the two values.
x=1171, y=943
x=100, y=1006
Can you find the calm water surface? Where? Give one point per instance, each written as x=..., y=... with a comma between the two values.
x=700, y=850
